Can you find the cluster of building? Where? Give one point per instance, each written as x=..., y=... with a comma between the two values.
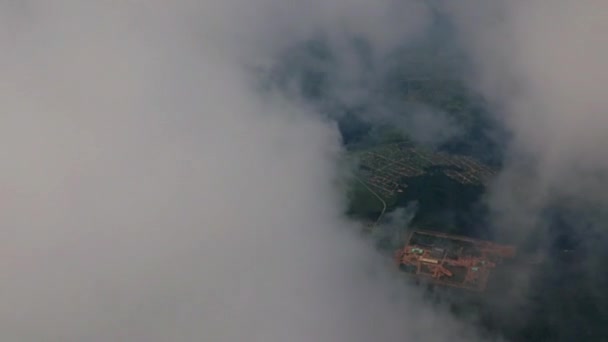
x=451, y=260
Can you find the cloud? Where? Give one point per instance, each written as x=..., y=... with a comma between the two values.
x=357, y=58
x=151, y=193
x=429, y=127
x=542, y=66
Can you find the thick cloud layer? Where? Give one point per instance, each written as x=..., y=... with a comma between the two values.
x=151, y=193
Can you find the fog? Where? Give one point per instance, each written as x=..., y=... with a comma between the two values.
x=151, y=192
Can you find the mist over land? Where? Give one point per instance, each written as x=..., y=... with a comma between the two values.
x=174, y=171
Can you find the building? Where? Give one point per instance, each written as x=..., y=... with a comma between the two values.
x=451, y=260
